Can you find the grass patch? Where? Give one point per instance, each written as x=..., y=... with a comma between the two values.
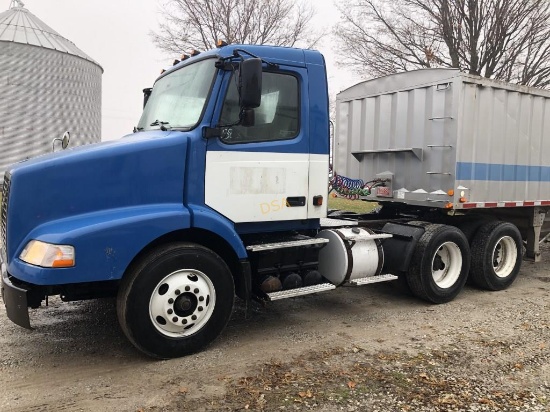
x=357, y=206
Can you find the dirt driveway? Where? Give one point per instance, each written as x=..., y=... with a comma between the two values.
x=370, y=348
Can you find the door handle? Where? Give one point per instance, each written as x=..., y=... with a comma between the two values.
x=295, y=201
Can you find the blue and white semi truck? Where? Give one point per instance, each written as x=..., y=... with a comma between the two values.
x=222, y=190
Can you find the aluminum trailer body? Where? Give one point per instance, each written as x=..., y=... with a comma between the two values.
x=440, y=131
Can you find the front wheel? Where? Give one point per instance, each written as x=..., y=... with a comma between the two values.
x=439, y=267
x=175, y=300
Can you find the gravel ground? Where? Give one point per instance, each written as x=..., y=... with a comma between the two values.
x=369, y=348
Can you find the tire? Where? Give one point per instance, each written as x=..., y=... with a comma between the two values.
x=175, y=300
x=401, y=285
x=440, y=263
x=496, y=256
x=470, y=228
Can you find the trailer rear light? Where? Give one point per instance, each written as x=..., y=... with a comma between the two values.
x=48, y=255
x=451, y=192
x=462, y=200
x=448, y=205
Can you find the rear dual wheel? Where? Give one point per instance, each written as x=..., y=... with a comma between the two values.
x=496, y=255
x=175, y=300
x=440, y=263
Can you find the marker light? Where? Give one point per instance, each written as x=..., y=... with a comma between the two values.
x=451, y=192
x=462, y=200
x=448, y=205
x=48, y=255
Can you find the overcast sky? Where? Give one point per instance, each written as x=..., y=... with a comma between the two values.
x=115, y=33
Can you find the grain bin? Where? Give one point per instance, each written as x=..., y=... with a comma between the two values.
x=47, y=86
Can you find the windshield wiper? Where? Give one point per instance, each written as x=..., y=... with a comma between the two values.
x=162, y=125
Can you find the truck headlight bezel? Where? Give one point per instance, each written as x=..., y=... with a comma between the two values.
x=48, y=255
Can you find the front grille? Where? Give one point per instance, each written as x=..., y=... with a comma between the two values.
x=4, y=214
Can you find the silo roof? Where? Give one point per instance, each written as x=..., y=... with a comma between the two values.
x=19, y=25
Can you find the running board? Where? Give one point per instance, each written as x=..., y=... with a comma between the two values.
x=281, y=245
x=306, y=290
x=372, y=279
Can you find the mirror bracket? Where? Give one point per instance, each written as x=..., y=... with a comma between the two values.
x=210, y=132
x=247, y=118
x=64, y=141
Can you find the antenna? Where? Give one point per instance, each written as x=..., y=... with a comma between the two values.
x=16, y=3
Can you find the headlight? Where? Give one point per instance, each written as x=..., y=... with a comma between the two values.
x=47, y=255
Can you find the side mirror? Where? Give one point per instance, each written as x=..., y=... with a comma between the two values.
x=250, y=83
x=146, y=95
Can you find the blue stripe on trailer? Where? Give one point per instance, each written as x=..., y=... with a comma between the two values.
x=502, y=172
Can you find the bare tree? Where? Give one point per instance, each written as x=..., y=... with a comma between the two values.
x=198, y=24
x=503, y=39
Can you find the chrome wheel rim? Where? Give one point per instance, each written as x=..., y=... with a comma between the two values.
x=182, y=303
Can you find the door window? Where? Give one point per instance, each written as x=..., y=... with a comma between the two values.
x=277, y=117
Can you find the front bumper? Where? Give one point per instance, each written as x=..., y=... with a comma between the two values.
x=15, y=300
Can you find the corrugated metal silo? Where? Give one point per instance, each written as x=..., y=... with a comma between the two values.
x=47, y=86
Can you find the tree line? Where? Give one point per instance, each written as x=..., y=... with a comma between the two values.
x=506, y=40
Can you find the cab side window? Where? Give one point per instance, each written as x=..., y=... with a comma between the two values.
x=277, y=118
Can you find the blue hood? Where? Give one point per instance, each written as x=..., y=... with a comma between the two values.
x=142, y=169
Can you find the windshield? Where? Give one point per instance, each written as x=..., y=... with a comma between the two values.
x=178, y=99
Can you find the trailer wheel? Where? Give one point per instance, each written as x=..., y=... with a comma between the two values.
x=440, y=263
x=470, y=228
x=496, y=255
x=175, y=300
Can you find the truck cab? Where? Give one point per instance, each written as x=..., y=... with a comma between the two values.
x=197, y=177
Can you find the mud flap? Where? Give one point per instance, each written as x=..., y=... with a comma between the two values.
x=15, y=300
